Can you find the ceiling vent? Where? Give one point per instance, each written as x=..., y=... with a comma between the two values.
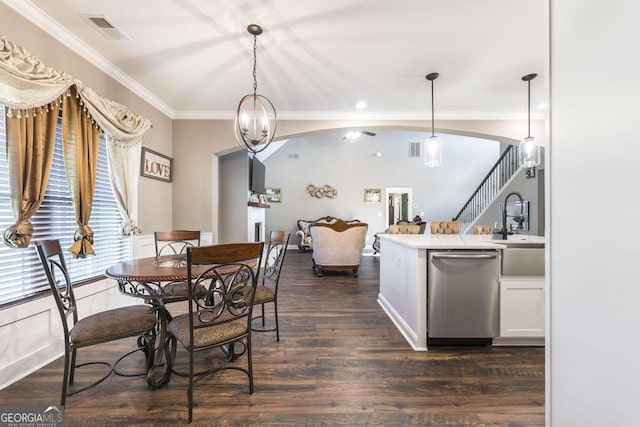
x=105, y=27
x=293, y=156
x=414, y=149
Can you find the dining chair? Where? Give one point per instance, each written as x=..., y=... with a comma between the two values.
x=445, y=227
x=482, y=229
x=175, y=242
x=111, y=325
x=267, y=292
x=221, y=316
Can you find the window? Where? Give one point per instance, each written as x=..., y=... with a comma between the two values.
x=21, y=273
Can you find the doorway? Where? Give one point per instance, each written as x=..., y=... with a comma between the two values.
x=398, y=204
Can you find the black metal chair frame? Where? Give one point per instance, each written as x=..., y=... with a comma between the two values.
x=53, y=262
x=227, y=302
x=276, y=251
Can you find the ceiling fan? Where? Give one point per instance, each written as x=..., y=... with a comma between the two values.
x=355, y=134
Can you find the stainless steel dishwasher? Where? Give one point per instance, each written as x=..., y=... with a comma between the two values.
x=463, y=295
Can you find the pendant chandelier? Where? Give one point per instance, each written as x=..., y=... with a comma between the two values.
x=256, y=118
x=433, y=144
x=528, y=150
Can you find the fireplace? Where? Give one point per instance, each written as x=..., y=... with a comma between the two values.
x=257, y=232
x=256, y=224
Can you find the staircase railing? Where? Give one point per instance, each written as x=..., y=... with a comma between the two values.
x=489, y=188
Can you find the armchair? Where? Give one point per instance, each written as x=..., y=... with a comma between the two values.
x=337, y=246
x=304, y=236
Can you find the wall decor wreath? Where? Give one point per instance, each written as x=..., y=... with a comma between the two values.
x=320, y=192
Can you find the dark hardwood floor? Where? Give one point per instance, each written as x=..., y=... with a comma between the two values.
x=340, y=361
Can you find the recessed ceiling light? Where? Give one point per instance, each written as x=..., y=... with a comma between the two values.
x=542, y=106
x=351, y=135
x=361, y=105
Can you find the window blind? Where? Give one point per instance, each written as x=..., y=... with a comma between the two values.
x=21, y=274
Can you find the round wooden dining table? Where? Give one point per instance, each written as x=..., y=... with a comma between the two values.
x=155, y=280
x=153, y=277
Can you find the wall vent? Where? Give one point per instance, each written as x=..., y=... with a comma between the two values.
x=414, y=149
x=105, y=27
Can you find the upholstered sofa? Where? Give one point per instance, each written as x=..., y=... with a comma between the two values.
x=415, y=226
x=337, y=246
x=304, y=236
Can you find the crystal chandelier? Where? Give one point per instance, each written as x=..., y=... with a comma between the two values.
x=256, y=118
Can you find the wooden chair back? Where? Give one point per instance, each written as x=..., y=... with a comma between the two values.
x=175, y=242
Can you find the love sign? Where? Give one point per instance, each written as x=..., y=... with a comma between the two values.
x=155, y=165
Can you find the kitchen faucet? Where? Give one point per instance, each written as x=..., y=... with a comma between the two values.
x=519, y=218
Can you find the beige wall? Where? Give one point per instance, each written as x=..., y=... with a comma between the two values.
x=155, y=200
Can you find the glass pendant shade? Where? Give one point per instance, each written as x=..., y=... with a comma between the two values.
x=528, y=150
x=256, y=118
x=433, y=144
x=432, y=151
x=255, y=122
x=529, y=153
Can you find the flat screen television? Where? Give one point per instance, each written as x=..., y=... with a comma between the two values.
x=256, y=176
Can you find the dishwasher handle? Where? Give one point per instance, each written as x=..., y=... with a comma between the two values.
x=465, y=256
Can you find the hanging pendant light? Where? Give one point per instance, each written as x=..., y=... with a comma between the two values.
x=528, y=150
x=256, y=118
x=433, y=144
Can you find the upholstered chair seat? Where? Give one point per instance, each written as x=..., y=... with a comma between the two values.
x=113, y=324
x=206, y=337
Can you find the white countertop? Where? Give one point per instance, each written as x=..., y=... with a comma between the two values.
x=456, y=241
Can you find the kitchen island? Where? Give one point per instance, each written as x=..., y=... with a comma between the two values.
x=403, y=280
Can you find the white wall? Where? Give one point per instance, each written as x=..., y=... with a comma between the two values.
x=352, y=166
x=594, y=368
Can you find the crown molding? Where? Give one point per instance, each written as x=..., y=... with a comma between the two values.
x=350, y=116
x=35, y=15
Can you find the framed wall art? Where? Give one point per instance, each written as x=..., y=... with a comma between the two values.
x=372, y=195
x=155, y=165
x=274, y=195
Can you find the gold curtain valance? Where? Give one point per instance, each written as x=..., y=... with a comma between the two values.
x=25, y=82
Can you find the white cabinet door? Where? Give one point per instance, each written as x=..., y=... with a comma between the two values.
x=522, y=307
